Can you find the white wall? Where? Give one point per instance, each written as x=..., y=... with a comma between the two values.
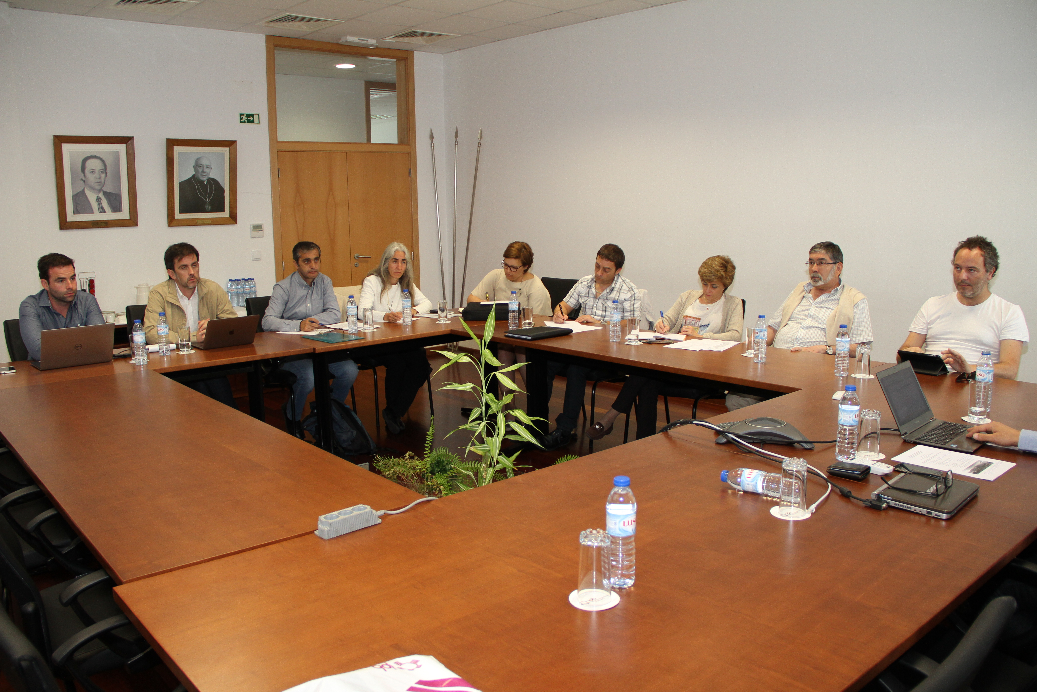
x=753, y=128
x=428, y=116
x=320, y=109
x=156, y=82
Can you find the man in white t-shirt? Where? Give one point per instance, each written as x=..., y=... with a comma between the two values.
x=960, y=325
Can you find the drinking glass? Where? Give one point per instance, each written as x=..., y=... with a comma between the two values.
x=748, y=350
x=868, y=448
x=183, y=341
x=594, y=587
x=863, y=362
x=793, y=498
x=444, y=314
x=527, y=317
x=368, y=320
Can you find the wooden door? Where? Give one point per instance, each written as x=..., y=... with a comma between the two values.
x=379, y=207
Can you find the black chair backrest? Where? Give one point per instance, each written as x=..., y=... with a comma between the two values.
x=257, y=306
x=23, y=665
x=559, y=289
x=134, y=312
x=743, y=308
x=15, y=577
x=15, y=346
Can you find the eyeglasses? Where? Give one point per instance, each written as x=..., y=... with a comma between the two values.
x=943, y=481
x=508, y=266
x=818, y=263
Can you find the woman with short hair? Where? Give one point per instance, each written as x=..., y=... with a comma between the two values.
x=514, y=275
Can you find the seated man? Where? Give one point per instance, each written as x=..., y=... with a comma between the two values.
x=594, y=295
x=961, y=325
x=58, y=305
x=301, y=303
x=1004, y=436
x=189, y=302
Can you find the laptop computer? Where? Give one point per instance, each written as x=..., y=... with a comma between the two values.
x=915, y=419
x=925, y=363
x=537, y=333
x=65, y=348
x=233, y=331
x=942, y=506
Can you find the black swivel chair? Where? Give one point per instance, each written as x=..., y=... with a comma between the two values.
x=15, y=346
x=273, y=376
x=45, y=535
x=23, y=666
x=134, y=312
x=559, y=289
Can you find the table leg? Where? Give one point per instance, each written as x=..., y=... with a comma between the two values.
x=256, y=407
x=322, y=396
x=536, y=386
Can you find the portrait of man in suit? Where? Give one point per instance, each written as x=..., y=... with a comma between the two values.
x=202, y=193
x=93, y=198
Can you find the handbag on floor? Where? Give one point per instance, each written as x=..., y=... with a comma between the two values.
x=348, y=432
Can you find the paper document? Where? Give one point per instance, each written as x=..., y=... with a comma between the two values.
x=645, y=336
x=337, y=325
x=404, y=674
x=957, y=463
x=315, y=331
x=703, y=345
x=573, y=325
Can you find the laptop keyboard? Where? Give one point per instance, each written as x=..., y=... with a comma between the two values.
x=943, y=433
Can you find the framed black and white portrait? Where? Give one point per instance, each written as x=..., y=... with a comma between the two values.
x=96, y=181
x=201, y=182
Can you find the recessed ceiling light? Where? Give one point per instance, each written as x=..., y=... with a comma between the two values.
x=345, y=66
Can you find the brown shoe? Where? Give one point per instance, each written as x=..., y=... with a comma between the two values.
x=599, y=431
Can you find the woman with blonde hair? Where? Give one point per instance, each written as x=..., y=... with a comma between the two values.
x=706, y=313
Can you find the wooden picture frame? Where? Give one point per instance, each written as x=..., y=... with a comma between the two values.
x=201, y=182
x=96, y=180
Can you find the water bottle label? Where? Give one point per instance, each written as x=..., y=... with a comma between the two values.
x=620, y=520
x=985, y=375
x=138, y=338
x=752, y=481
x=163, y=329
x=849, y=415
x=842, y=345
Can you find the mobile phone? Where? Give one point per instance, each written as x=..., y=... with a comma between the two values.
x=7, y=370
x=850, y=470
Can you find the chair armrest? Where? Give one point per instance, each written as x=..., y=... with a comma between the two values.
x=41, y=518
x=1022, y=569
x=77, y=641
x=29, y=492
x=88, y=581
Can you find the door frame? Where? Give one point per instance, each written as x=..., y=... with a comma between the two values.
x=405, y=127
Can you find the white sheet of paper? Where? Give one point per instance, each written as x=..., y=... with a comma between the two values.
x=337, y=325
x=573, y=325
x=645, y=336
x=958, y=463
x=315, y=331
x=703, y=345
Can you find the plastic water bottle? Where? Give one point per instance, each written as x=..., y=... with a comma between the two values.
x=760, y=340
x=849, y=425
x=230, y=291
x=163, y=334
x=251, y=288
x=513, y=311
x=406, y=307
x=233, y=293
x=842, y=352
x=351, y=315
x=753, y=481
x=983, y=389
x=615, y=331
x=140, y=344
x=621, y=525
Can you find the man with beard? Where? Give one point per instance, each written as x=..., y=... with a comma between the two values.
x=961, y=325
x=810, y=317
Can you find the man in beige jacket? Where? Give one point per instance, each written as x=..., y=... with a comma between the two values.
x=189, y=301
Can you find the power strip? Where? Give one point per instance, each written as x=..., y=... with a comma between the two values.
x=346, y=521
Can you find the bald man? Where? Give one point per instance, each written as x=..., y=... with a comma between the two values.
x=201, y=193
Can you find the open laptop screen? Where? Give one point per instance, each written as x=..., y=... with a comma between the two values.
x=904, y=395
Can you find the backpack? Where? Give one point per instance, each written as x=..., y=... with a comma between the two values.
x=349, y=435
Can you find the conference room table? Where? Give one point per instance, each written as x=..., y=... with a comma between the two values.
x=727, y=597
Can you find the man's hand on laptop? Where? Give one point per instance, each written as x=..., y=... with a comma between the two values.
x=201, y=330
x=995, y=433
x=309, y=324
x=956, y=361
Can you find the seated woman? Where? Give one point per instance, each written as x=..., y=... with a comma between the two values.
x=405, y=370
x=710, y=313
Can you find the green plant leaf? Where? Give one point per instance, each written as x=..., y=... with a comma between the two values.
x=523, y=416
x=515, y=366
x=466, y=387
x=488, y=357
x=507, y=382
x=524, y=434
x=469, y=330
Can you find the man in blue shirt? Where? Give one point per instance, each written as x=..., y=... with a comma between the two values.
x=59, y=305
x=303, y=302
x=1004, y=436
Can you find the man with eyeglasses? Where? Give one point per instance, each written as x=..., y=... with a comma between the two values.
x=809, y=318
x=959, y=326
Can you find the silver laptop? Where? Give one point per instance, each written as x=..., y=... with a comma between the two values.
x=64, y=348
x=234, y=331
x=915, y=419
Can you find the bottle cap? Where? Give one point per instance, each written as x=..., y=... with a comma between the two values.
x=761, y=317
x=161, y=314
x=723, y=476
x=621, y=481
x=136, y=321
x=350, y=295
x=842, y=326
x=851, y=388
x=984, y=353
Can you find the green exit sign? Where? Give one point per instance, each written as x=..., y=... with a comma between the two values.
x=248, y=118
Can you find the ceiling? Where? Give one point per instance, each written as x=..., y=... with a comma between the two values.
x=468, y=22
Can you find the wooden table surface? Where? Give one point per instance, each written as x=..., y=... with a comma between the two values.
x=726, y=598
x=155, y=476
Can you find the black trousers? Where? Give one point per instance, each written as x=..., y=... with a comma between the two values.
x=217, y=388
x=405, y=374
x=645, y=392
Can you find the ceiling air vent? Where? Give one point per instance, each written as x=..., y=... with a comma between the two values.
x=414, y=36
x=300, y=22
x=154, y=6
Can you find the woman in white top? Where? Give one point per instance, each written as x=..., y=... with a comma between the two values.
x=514, y=275
x=709, y=313
x=405, y=371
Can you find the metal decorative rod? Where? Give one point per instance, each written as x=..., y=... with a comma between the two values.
x=453, y=235
x=471, y=211
x=439, y=229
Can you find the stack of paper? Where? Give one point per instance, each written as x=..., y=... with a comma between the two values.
x=573, y=325
x=703, y=345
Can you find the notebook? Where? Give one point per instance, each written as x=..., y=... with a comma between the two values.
x=943, y=506
x=535, y=333
x=925, y=363
x=478, y=312
x=64, y=348
x=234, y=331
x=915, y=419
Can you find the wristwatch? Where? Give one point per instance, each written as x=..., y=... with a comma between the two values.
x=828, y=350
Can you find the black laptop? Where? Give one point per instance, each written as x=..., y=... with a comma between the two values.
x=915, y=419
x=537, y=333
x=925, y=363
x=921, y=493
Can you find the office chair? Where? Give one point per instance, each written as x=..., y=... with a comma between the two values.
x=559, y=289
x=135, y=312
x=75, y=622
x=13, y=475
x=273, y=376
x=22, y=665
x=37, y=523
x=15, y=346
x=957, y=671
